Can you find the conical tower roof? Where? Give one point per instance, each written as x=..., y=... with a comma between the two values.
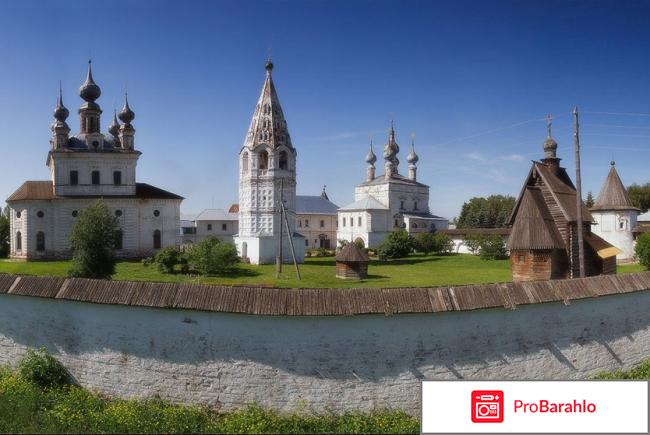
x=613, y=195
x=268, y=126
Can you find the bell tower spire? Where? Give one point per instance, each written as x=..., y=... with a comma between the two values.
x=412, y=160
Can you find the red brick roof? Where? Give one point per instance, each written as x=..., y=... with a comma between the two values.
x=42, y=190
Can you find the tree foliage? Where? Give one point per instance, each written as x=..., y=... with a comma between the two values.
x=490, y=212
x=93, y=239
x=438, y=243
x=167, y=258
x=4, y=233
x=211, y=256
x=398, y=244
x=590, y=200
x=42, y=369
x=642, y=250
x=640, y=196
x=493, y=248
x=473, y=242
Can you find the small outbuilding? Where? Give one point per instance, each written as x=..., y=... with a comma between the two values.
x=352, y=263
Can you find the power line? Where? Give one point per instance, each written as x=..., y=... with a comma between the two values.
x=494, y=130
x=619, y=113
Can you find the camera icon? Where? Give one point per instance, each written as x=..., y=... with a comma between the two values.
x=487, y=406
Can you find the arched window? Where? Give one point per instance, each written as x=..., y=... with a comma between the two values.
x=156, y=239
x=40, y=241
x=244, y=162
x=119, y=240
x=284, y=160
x=263, y=160
x=19, y=241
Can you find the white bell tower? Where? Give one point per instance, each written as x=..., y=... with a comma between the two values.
x=267, y=171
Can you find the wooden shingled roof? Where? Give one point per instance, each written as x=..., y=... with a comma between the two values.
x=351, y=253
x=534, y=227
x=321, y=302
x=613, y=195
x=561, y=189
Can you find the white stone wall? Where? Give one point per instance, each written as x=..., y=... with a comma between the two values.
x=321, y=363
x=217, y=230
x=61, y=163
x=137, y=221
x=309, y=225
x=616, y=227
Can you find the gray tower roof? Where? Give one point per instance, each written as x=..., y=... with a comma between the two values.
x=613, y=195
x=268, y=125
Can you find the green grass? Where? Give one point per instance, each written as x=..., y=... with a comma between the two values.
x=642, y=371
x=414, y=271
x=27, y=408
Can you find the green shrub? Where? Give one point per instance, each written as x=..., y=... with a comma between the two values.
x=167, y=258
x=93, y=239
x=42, y=369
x=642, y=250
x=493, y=248
x=360, y=244
x=147, y=261
x=4, y=232
x=211, y=256
x=398, y=244
x=438, y=243
x=473, y=242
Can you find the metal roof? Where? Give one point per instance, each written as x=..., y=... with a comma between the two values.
x=43, y=190
x=395, y=179
x=315, y=205
x=365, y=203
x=216, y=214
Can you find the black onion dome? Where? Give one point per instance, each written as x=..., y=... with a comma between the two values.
x=114, y=127
x=126, y=114
x=89, y=91
x=60, y=111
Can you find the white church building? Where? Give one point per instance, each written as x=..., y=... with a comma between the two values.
x=267, y=178
x=83, y=168
x=615, y=217
x=387, y=202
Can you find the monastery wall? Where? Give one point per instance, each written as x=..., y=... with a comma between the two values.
x=315, y=362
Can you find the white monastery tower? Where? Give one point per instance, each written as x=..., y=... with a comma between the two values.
x=615, y=216
x=267, y=173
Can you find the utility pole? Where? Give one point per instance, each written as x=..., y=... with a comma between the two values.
x=293, y=251
x=576, y=141
x=278, y=258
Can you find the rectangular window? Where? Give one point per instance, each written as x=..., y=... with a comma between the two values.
x=95, y=177
x=322, y=224
x=306, y=223
x=401, y=205
x=299, y=223
x=343, y=221
x=359, y=221
x=306, y=242
x=415, y=205
x=224, y=227
x=117, y=178
x=74, y=178
x=209, y=227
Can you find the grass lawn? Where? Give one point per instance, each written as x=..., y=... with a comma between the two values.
x=415, y=271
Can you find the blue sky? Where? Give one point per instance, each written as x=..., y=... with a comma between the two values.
x=472, y=80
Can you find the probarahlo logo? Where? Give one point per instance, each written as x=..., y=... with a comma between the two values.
x=487, y=406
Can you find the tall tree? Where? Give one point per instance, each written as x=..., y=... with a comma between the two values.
x=640, y=196
x=93, y=240
x=490, y=212
x=590, y=200
x=4, y=232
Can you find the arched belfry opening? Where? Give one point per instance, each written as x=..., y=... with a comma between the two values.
x=284, y=160
x=263, y=160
